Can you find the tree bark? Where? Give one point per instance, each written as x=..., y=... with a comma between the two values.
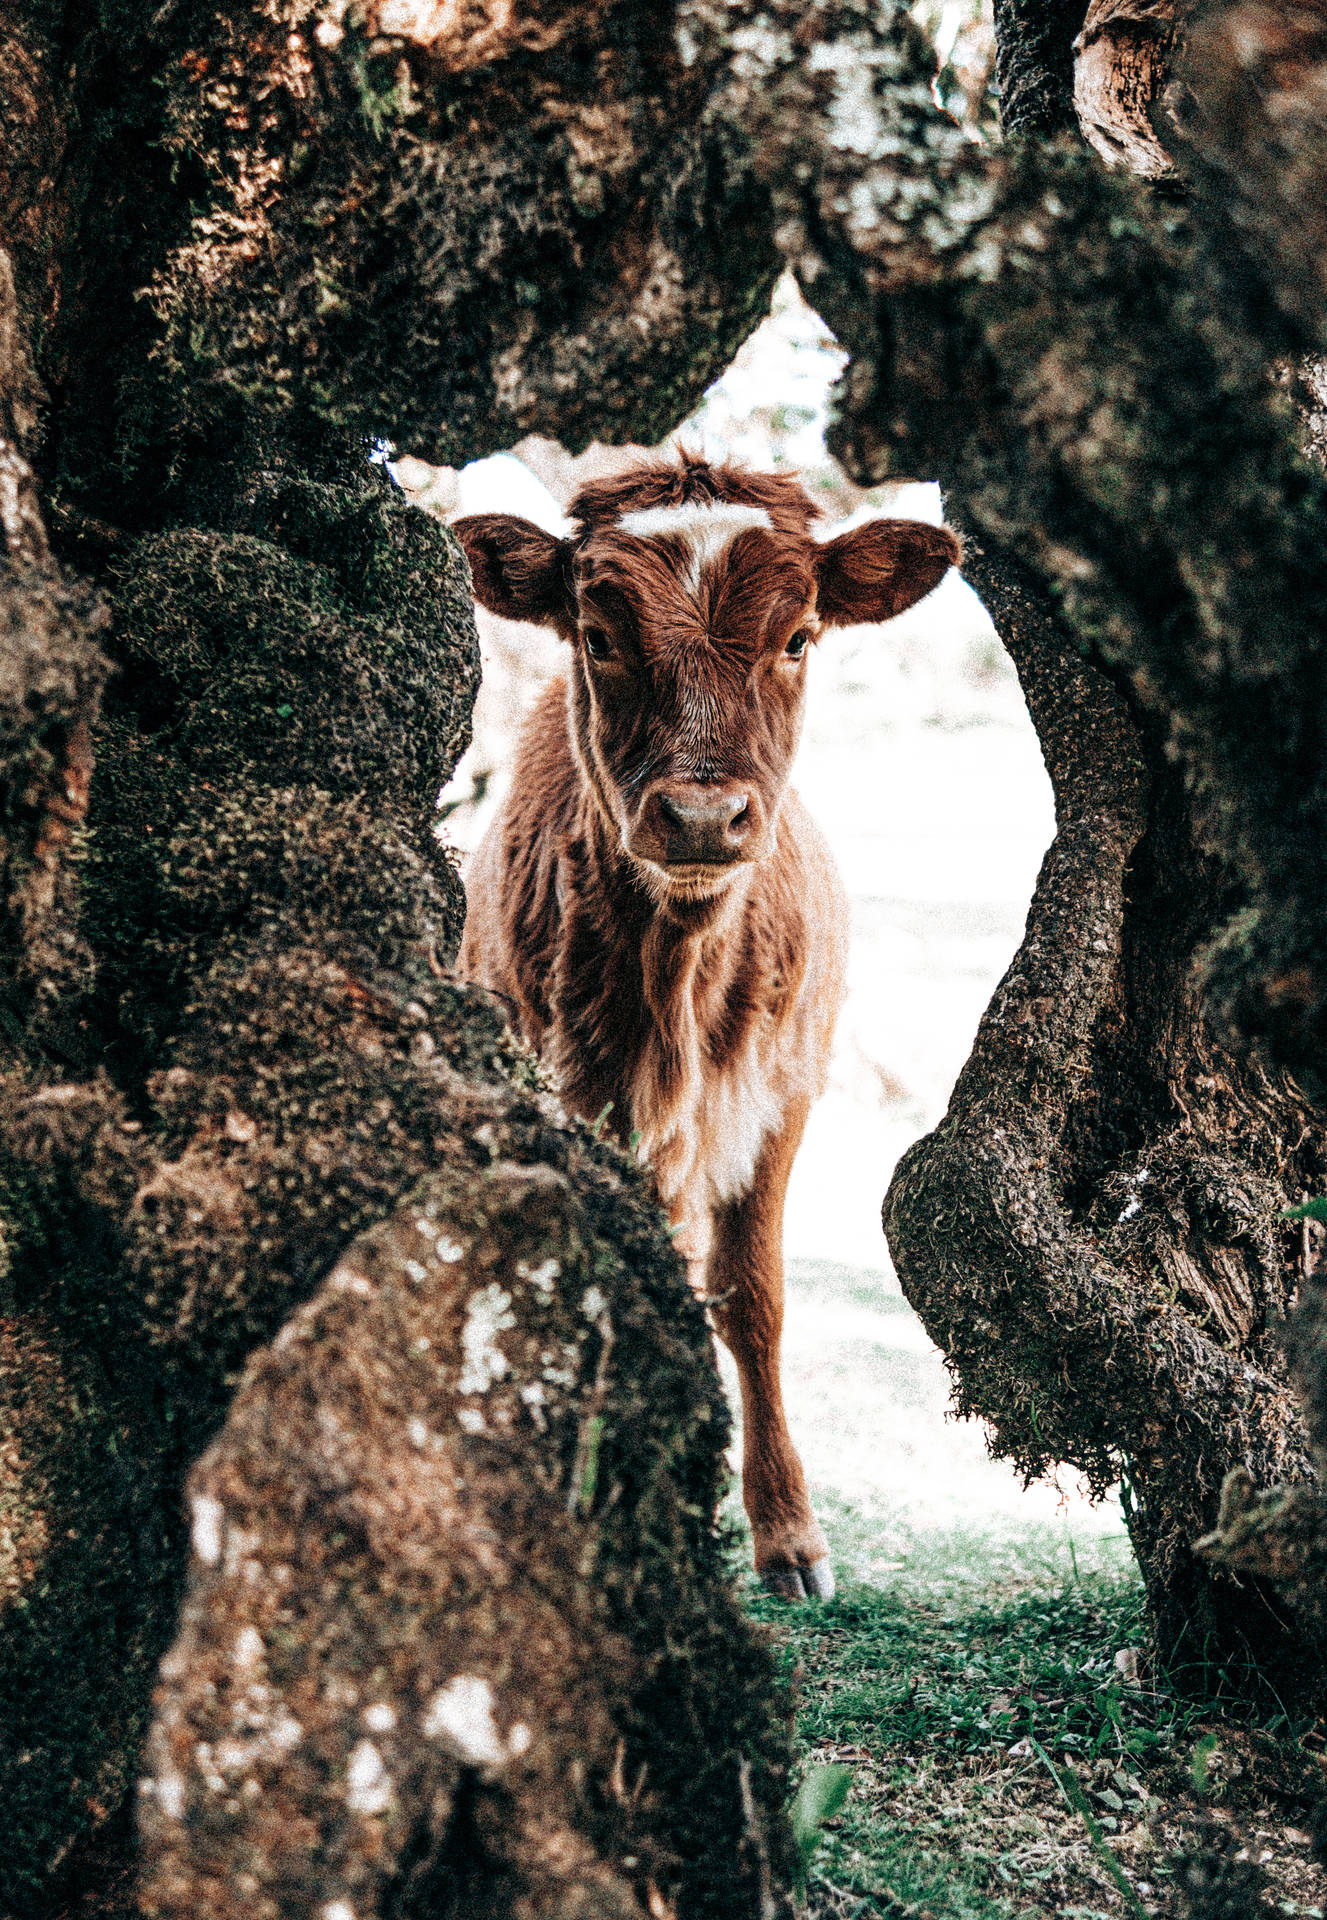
x=246, y=238
x=52, y=671
x=231, y=1046
x=1034, y=65
x=1123, y=62
x=457, y=1634
x=1091, y=1235
x=447, y=227
x=282, y=1060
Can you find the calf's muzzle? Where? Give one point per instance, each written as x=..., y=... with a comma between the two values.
x=695, y=823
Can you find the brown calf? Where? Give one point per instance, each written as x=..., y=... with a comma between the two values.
x=653, y=900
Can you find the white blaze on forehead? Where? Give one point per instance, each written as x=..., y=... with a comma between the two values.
x=707, y=528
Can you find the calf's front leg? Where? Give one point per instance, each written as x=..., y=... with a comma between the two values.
x=744, y=1284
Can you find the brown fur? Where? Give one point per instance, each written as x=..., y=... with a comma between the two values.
x=653, y=901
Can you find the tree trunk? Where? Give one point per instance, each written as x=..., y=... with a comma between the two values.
x=245, y=238
x=286, y=1062
x=232, y=1050
x=458, y=1637
x=1091, y=1234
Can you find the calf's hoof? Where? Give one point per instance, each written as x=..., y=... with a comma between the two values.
x=813, y=1582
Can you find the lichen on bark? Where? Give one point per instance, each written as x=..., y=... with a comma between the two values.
x=278, y=229
x=458, y=1630
x=160, y=1227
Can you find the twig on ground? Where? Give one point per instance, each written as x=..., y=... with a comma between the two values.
x=756, y=1835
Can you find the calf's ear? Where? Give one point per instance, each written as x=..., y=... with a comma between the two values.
x=518, y=570
x=881, y=568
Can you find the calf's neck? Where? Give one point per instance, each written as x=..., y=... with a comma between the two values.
x=653, y=900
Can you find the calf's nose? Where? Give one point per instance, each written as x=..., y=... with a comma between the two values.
x=702, y=823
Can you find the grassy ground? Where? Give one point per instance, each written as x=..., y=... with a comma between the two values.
x=976, y=1695
x=984, y=1674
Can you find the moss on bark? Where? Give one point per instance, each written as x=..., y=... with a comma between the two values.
x=272, y=916
x=52, y=671
x=293, y=694
x=347, y=223
x=1093, y=1233
x=279, y=232
x=268, y=907
x=355, y=227
x=91, y=1568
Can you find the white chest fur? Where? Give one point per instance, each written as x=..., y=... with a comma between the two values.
x=704, y=1142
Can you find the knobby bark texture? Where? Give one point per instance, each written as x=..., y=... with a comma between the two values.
x=428, y=1665
x=443, y=225
x=281, y=1062
x=457, y=1522
x=1092, y=1232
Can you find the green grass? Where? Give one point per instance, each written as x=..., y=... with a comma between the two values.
x=977, y=1642
x=939, y=1685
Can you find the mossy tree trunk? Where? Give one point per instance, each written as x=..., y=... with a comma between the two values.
x=1140, y=1279
x=1092, y=1233
x=238, y=1084
x=282, y=1062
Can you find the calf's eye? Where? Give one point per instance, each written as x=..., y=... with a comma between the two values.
x=798, y=645
x=597, y=643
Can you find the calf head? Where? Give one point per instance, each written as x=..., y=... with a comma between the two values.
x=691, y=595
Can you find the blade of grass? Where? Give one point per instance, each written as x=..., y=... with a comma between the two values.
x=1074, y=1797
x=822, y=1792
